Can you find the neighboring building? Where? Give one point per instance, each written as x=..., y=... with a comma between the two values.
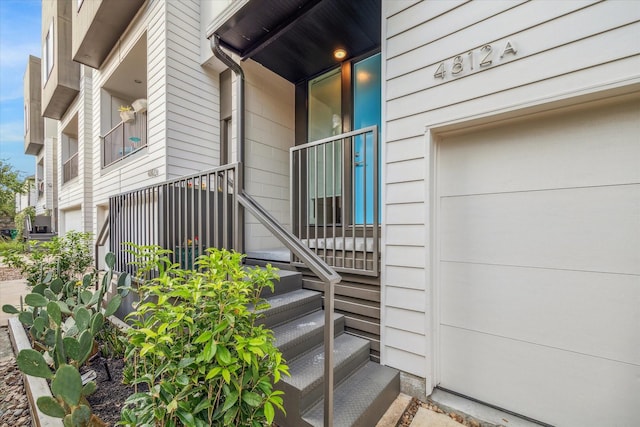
x=40, y=141
x=29, y=197
x=471, y=169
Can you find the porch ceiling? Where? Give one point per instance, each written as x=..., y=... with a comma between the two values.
x=296, y=38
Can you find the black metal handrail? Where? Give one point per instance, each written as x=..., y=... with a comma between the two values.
x=326, y=273
x=101, y=240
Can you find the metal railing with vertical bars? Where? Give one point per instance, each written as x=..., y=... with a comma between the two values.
x=335, y=192
x=189, y=214
x=186, y=215
x=70, y=168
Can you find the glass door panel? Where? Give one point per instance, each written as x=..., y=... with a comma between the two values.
x=324, y=162
x=367, y=111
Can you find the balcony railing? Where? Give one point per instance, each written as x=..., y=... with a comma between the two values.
x=70, y=168
x=335, y=199
x=124, y=139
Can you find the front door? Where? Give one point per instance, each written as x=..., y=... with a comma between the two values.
x=328, y=114
x=366, y=112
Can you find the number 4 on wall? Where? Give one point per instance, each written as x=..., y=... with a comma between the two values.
x=486, y=52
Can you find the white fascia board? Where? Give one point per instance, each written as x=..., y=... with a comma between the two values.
x=224, y=16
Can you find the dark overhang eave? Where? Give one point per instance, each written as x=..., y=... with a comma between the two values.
x=296, y=38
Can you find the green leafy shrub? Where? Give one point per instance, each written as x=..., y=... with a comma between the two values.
x=29, y=211
x=63, y=319
x=14, y=245
x=195, y=343
x=68, y=258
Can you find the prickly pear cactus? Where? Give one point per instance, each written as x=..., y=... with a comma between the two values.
x=64, y=319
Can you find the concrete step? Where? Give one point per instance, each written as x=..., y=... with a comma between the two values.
x=41, y=237
x=361, y=399
x=290, y=306
x=297, y=337
x=305, y=386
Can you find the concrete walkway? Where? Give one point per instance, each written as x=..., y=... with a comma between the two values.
x=423, y=418
x=10, y=293
x=427, y=418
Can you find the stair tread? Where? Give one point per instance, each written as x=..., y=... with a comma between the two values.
x=307, y=371
x=290, y=305
x=296, y=330
x=289, y=273
x=354, y=396
x=280, y=301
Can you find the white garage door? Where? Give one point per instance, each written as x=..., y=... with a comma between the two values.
x=72, y=220
x=539, y=266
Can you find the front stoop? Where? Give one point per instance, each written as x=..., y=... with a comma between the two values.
x=363, y=389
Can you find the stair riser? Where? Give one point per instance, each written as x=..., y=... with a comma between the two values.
x=293, y=311
x=288, y=282
x=312, y=396
x=310, y=340
x=380, y=405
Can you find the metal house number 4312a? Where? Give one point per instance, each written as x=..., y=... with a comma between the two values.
x=474, y=59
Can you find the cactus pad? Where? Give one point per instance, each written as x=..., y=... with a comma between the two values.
x=67, y=385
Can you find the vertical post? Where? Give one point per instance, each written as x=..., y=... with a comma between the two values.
x=292, y=190
x=328, y=353
x=324, y=204
x=376, y=202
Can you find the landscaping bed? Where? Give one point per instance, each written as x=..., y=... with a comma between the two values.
x=108, y=399
x=194, y=342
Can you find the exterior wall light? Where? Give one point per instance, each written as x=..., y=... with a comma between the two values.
x=339, y=54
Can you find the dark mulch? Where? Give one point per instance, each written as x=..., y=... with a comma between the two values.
x=110, y=394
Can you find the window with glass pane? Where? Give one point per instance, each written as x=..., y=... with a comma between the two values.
x=324, y=180
x=48, y=53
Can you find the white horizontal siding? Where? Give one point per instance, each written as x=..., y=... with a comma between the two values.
x=392, y=8
x=70, y=194
x=270, y=118
x=523, y=71
x=192, y=95
x=616, y=73
x=563, y=49
x=415, y=14
x=132, y=172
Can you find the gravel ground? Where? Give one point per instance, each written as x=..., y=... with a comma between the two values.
x=14, y=407
x=412, y=408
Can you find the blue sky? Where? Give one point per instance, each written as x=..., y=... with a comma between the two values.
x=19, y=37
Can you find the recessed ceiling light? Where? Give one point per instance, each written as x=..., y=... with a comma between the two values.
x=339, y=53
